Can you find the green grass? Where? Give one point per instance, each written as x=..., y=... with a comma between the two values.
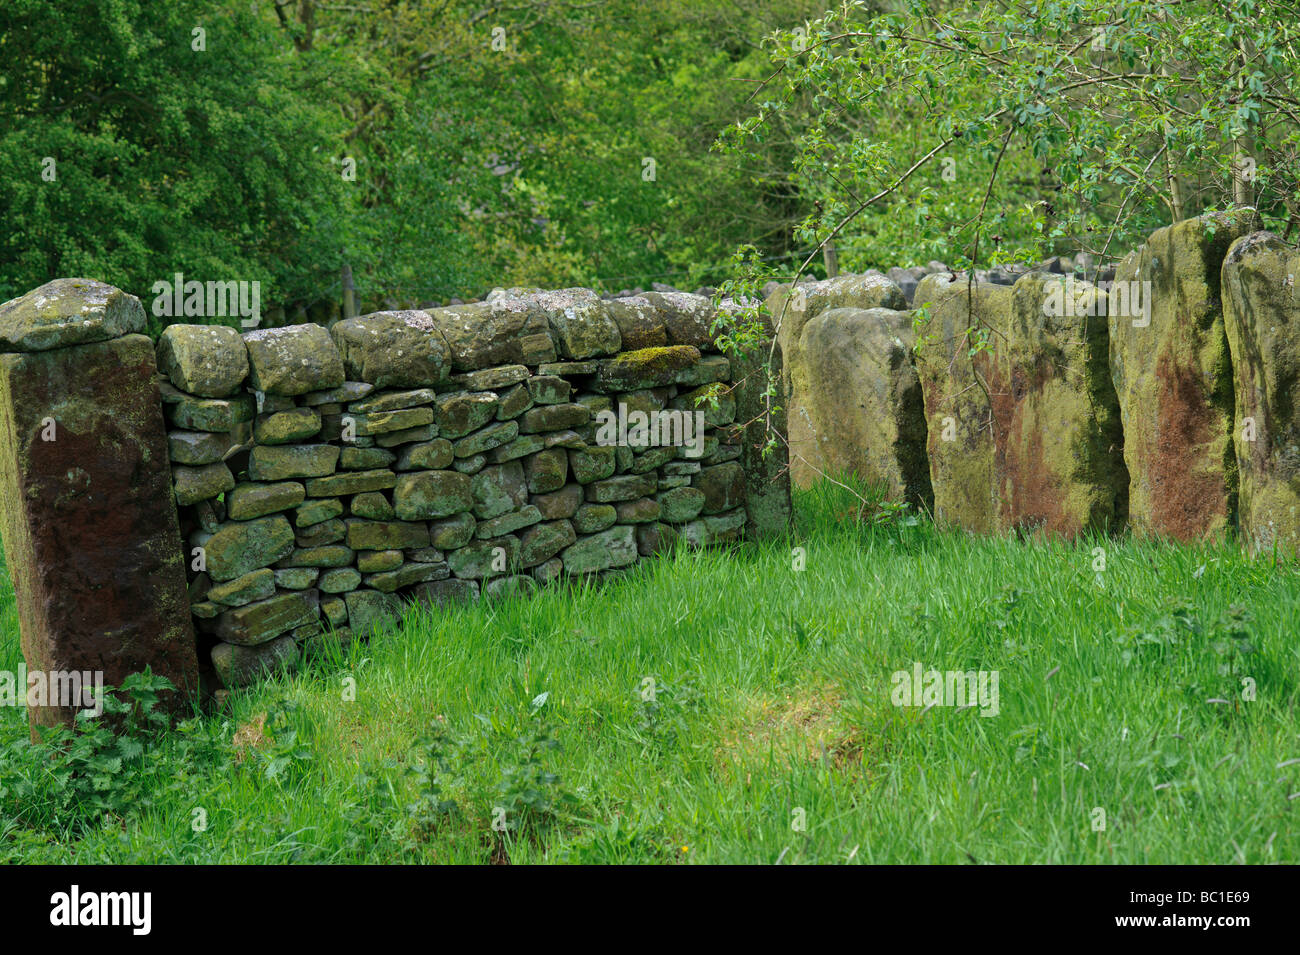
x=773, y=695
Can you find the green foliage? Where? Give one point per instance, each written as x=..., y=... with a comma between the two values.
x=107, y=767
x=163, y=158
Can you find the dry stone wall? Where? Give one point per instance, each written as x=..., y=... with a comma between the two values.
x=324, y=476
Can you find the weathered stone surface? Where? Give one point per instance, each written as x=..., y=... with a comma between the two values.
x=485, y=439
x=386, y=535
x=1024, y=434
x=504, y=588
x=197, y=448
x=286, y=462
x=1261, y=314
x=615, y=547
x=1172, y=373
x=498, y=489
x=459, y=413
x=257, y=585
x=392, y=439
x=240, y=547
x=347, y=392
x=591, y=464
x=315, y=512
x=292, y=360
x=641, y=511
x=489, y=558
x=680, y=504
x=328, y=555
x=378, y=561
x=425, y=456
x=441, y=593
x=546, y=471
x=372, y=505
x=206, y=360
x=452, y=532
x=366, y=459
x=200, y=484
x=541, y=542
x=401, y=349
x=421, y=495
x=548, y=389
x=408, y=574
x=580, y=323
x=655, y=538
x=590, y=518
x=640, y=323
x=386, y=422
x=393, y=401
x=508, y=523
x=211, y=414
x=295, y=578
x=504, y=330
x=715, y=402
x=238, y=666
x=264, y=620
x=68, y=312
x=559, y=504
x=339, y=580
x=283, y=427
x=329, y=531
x=491, y=379
x=621, y=487
x=555, y=417
x=247, y=501
x=520, y=447
x=353, y=482
x=791, y=311
x=723, y=487
x=370, y=610
x=646, y=368
x=856, y=403
x=514, y=402
x=688, y=318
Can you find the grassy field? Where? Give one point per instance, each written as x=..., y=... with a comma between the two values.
x=767, y=733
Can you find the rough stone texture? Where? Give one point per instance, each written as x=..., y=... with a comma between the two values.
x=580, y=323
x=688, y=319
x=401, y=349
x=247, y=501
x=1261, y=311
x=640, y=323
x=505, y=330
x=647, y=368
x=68, y=312
x=856, y=405
x=1024, y=435
x=241, y=547
x=431, y=494
x=790, y=312
x=1173, y=378
x=292, y=360
x=206, y=360
x=286, y=462
x=265, y=620
x=90, y=529
x=238, y=666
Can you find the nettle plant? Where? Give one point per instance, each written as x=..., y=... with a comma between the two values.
x=989, y=134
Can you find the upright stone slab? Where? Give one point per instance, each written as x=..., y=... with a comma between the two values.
x=768, y=508
x=1170, y=364
x=862, y=411
x=1261, y=312
x=90, y=528
x=1024, y=434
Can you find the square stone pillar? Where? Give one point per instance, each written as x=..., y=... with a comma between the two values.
x=91, y=535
